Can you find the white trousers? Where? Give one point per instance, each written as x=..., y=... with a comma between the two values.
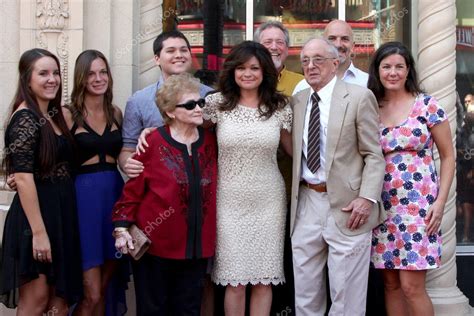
x=317, y=241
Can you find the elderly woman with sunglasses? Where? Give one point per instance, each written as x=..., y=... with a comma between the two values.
x=173, y=201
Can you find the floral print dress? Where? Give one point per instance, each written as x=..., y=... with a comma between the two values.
x=410, y=188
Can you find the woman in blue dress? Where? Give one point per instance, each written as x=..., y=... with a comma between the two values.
x=95, y=123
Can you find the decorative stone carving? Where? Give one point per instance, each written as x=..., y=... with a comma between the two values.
x=437, y=72
x=51, y=18
x=42, y=40
x=63, y=54
x=52, y=14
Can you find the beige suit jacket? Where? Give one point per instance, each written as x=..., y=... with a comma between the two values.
x=354, y=162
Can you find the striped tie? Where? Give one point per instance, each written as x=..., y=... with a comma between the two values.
x=314, y=159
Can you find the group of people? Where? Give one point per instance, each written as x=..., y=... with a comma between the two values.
x=206, y=188
x=58, y=252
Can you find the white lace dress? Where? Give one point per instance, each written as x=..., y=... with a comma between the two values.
x=251, y=206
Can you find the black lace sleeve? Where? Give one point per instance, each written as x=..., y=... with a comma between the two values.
x=22, y=141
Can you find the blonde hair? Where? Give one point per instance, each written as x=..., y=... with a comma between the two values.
x=171, y=91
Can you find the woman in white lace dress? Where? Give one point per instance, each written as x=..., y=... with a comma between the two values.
x=252, y=118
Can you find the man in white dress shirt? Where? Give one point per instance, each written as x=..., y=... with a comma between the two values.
x=339, y=33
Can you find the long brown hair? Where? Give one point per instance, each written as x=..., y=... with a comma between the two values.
x=81, y=73
x=47, y=141
x=270, y=98
x=385, y=50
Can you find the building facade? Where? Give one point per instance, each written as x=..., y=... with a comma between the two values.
x=439, y=32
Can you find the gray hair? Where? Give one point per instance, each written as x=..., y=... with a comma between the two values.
x=172, y=90
x=331, y=50
x=270, y=24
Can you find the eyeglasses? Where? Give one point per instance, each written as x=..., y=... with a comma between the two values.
x=190, y=105
x=314, y=60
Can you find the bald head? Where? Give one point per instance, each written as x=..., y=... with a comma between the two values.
x=340, y=34
x=341, y=26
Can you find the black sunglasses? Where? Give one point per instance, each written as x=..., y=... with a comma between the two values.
x=190, y=105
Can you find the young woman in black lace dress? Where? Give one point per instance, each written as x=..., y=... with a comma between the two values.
x=41, y=248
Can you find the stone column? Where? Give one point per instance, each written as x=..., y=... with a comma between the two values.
x=124, y=18
x=97, y=26
x=9, y=56
x=437, y=72
x=151, y=25
x=110, y=26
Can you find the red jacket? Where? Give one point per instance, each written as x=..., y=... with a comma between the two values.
x=174, y=199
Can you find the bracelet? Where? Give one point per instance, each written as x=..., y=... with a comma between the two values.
x=120, y=229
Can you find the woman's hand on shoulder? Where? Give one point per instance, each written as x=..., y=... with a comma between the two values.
x=142, y=143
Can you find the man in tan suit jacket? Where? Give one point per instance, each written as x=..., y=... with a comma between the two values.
x=335, y=205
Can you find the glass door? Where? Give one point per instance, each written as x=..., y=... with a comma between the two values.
x=214, y=26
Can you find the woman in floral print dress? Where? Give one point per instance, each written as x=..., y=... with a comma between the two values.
x=408, y=243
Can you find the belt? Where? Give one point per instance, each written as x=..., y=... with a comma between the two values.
x=320, y=187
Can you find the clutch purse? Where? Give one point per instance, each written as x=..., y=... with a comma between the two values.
x=141, y=242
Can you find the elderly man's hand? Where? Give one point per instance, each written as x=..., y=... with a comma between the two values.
x=360, y=208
